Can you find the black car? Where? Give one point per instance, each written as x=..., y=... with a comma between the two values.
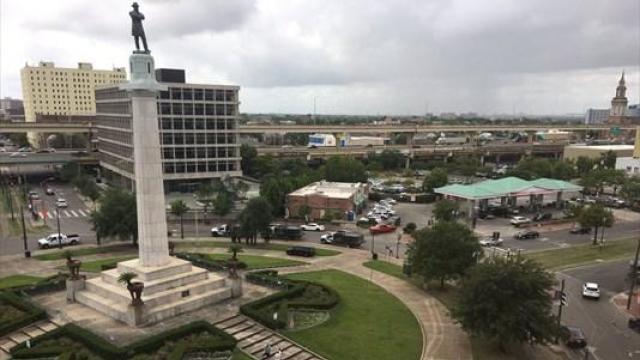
x=301, y=251
x=574, y=337
x=526, y=234
x=580, y=230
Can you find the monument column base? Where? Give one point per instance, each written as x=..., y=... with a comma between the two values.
x=135, y=315
x=236, y=286
x=73, y=286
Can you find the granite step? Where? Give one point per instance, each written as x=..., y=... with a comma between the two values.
x=186, y=304
x=153, y=286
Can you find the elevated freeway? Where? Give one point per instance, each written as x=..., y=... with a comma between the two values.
x=417, y=151
x=308, y=129
x=47, y=159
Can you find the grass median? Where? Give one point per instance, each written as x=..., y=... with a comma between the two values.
x=260, y=246
x=586, y=254
x=18, y=280
x=368, y=323
x=257, y=262
x=97, y=265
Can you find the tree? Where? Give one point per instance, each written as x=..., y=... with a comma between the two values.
x=222, y=204
x=87, y=187
x=584, y=165
x=437, y=178
x=390, y=159
x=116, y=216
x=596, y=216
x=304, y=211
x=179, y=208
x=248, y=156
x=255, y=218
x=446, y=210
x=205, y=193
x=70, y=171
x=506, y=301
x=134, y=288
x=444, y=251
x=241, y=188
x=344, y=169
x=234, y=249
x=608, y=160
x=631, y=190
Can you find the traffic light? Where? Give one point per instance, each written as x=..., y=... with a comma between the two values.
x=564, y=300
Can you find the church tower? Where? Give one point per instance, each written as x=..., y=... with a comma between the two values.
x=619, y=102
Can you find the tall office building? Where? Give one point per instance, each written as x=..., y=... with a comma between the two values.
x=51, y=90
x=198, y=132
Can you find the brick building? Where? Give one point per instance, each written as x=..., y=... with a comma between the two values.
x=322, y=197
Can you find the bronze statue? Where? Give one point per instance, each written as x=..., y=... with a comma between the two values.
x=136, y=27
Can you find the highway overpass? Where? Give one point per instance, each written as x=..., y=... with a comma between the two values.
x=46, y=159
x=308, y=129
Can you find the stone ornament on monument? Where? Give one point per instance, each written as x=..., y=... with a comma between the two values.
x=169, y=286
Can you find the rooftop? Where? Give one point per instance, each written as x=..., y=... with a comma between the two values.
x=509, y=186
x=336, y=190
x=601, y=147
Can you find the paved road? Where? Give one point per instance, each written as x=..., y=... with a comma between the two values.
x=604, y=326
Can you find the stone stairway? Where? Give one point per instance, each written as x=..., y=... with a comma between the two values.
x=253, y=337
x=24, y=334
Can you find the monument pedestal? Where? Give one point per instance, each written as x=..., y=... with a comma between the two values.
x=169, y=290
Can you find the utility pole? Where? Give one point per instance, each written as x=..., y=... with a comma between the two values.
x=373, y=242
x=634, y=275
x=27, y=253
x=563, y=302
x=398, y=246
x=59, y=234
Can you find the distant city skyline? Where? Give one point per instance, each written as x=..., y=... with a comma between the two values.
x=353, y=57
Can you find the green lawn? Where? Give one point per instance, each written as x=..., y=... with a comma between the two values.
x=584, y=254
x=239, y=355
x=368, y=323
x=96, y=266
x=18, y=280
x=58, y=255
x=260, y=246
x=257, y=262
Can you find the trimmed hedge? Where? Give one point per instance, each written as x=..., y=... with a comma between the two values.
x=32, y=312
x=109, y=351
x=201, y=260
x=292, y=296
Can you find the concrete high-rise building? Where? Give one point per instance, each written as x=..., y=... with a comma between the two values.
x=198, y=132
x=11, y=109
x=51, y=90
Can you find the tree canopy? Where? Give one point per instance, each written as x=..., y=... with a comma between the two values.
x=437, y=178
x=446, y=210
x=531, y=168
x=596, y=216
x=179, y=208
x=116, y=216
x=444, y=251
x=344, y=169
x=255, y=218
x=248, y=156
x=506, y=301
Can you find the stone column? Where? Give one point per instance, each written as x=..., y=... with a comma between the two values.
x=152, y=223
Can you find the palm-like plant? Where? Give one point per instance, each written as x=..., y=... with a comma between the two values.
x=235, y=249
x=134, y=288
x=179, y=208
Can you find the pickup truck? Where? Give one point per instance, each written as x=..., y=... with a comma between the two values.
x=341, y=237
x=220, y=230
x=52, y=240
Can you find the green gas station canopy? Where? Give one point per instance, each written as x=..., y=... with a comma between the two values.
x=509, y=186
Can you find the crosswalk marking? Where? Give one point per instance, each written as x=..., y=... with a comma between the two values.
x=66, y=213
x=82, y=213
x=41, y=214
x=74, y=213
x=49, y=215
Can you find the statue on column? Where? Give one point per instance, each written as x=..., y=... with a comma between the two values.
x=136, y=28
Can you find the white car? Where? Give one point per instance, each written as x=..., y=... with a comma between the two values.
x=62, y=203
x=389, y=201
x=18, y=154
x=491, y=241
x=590, y=290
x=519, y=220
x=312, y=227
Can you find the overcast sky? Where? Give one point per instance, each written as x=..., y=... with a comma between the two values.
x=352, y=56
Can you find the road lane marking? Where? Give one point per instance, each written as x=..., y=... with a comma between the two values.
x=74, y=213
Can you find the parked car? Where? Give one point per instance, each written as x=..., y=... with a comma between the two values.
x=542, y=216
x=580, y=230
x=526, y=234
x=52, y=240
x=634, y=324
x=351, y=239
x=574, y=337
x=519, y=220
x=305, y=251
x=18, y=154
x=312, y=227
x=491, y=241
x=62, y=203
x=590, y=290
x=34, y=195
x=632, y=261
x=287, y=232
x=220, y=230
x=382, y=228
x=49, y=191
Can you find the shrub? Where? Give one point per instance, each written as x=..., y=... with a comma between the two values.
x=203, y=261
x=32, y=312
x=410, y=228
x=425, y=198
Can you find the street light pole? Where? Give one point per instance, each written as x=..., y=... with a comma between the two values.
x=398, y=246
x=27, y=253
x=634, y=275
x=59, y=234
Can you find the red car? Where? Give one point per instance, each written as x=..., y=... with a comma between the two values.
x=382, y=228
